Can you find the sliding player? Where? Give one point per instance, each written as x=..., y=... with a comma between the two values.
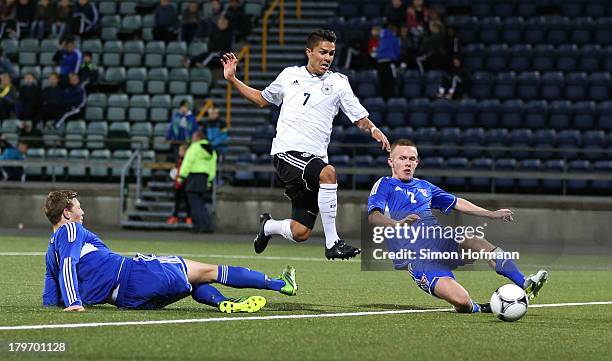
x=402, y=198
x=82, y=270
x=310, y=97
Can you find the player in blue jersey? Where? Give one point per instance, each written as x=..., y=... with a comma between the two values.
x=430, y=254
x=82, y=270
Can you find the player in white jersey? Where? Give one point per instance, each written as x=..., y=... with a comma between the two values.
x=310, y=97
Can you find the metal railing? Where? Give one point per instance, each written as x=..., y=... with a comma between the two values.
x=124, y=186
x=245, y=53
x=207, y=105
x=264, y=32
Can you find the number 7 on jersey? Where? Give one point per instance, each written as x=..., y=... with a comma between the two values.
x=307, y=95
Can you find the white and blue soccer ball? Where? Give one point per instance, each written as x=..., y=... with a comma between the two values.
x=509, y=303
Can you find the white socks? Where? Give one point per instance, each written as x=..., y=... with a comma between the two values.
x=283, y=228
x=328, y=207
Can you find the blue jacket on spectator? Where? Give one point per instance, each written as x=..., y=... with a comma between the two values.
x=182, y=126
x=388, y=46
x=74, y=97
x=90, y=15
x=70, y=62
x=166, y=16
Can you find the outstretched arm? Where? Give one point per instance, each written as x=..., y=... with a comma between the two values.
x=229, y=61
x=467, y=207
x=366, y=125
x=376, y=218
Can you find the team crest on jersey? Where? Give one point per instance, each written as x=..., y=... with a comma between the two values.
x=423, y=191
x=306, y=155
x=327, y=89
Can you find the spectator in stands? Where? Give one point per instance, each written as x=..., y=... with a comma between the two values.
x=190, y=22
x=387, y=56
x=6, y=66
x=455, y=49
x=198, y=170
x=180, y=196
x=86, y=19
x=69, y=59
x=182, y=126
x=374, y=41
x=26, y=9
x=63, y=19
x=18, y=153
x=212, y=12
x=239, y=23
x=30, y=135
x=406, y=49
x=433, y=49
x=417, y=17
x=74, y=100
x=52, y=100
x=220, y=43
x=456, y=83
x=46, y=15
x=88, y=73
x=166, y=22
x=216, y=132
x=396, y=13
x=8, y=96
x=28, y=104
x=7, y=18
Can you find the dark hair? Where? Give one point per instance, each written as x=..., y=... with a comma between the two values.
x=402, y=142
x=87, y=53
x=320, y=35
x=57, y=202
x=184, y=103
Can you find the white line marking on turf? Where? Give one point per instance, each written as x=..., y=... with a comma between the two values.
x=265, y=318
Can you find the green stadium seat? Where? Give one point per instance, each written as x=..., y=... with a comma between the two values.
x=114, y=75
x=111, y=21
x=99, y=170
x=35, y=170
x=92, y=45
x=154, y=60
x=111, y=59
x=174, y=61
x=133, y=47
x=148, y=156
x=49, y=45
x=122, y=156
x=118, y=100
x=158, y=74
x=76, y=127
x=177, y=47
x=141, y=134
x=156, y=87
x=10, y=125
x=148, y=21
x=197, y=48
x=179, y=74
x=107, y=8
x=118, y=136
x=72, y=141
x=96, y=134
x=159, y=115
x=128, y=7
x=97, y=100
x=131, y=60
x=115, y=114
x=138, y=114
x=29, y=45
x=75, y=169
x=134, y=86
x=253, y=9
x=201, y=74
x=109, y=33
x=160, y=130
x=94, y=113
x=113, y=46
x=27, y=58
x=155, y=47
x=147, y=34
x=137, y=74
x=177, y=87
x=161, y=101
x=143, y=101
x=47, y=70
x=46, y=58
x=198, y=88
x=10, y=46
x=56, y=154
x=131, y=23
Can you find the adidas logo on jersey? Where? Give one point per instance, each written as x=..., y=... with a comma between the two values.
x=397, y=188
x=295, y=82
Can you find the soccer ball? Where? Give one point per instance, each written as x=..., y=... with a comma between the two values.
x=509, y=303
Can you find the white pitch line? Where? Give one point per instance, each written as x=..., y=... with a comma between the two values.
x=265, y=318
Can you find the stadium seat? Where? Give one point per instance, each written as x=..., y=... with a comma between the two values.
x=77, y=169
x=512, y=32
x=489, y=113
x=568, y=140
x=158, y=74
x=584, y=115
x=159, y=115
x=426, y=137
x=156, y=87
x=504, y=85
x=490, y=28
x=520, y=139
x=472, y=137
x=552, y=86
x=458, y=163
x=432, y=162
x=418, y=112
x=534, y=33
x=97, y=100
x=99, y=155
x=559, y=114
x=161, y=101
x=35, y=171
x=443, y=112
x=107, y=8
x=197, y=48
x=96, y=133
x=543, y=58
x=200, y=74
x=155, y=47
x=604, y=120
x=177, y=87
x=521, y=58
x=575, y=86
x=28, y=58
x=466, y=113
x=498, y=55
x=481, y=85
x=593, y=143
x=154, y=60
x=473, y=57
x=582, y=31
x=529, y=184
x=546, y=140
x=603, y=31
x=512, y=113
x=143, y=101
x=131, y=23
x=506, y=165
x=528, y=87
x=412, y=84
x=578, y=186
x=199, y=88
x=178, y=99
x=94, y=113
x=598, y=86
x=481, y=183
x=497, y=137
x=140, y=135
x=115, y=75
x=397, y=112
x=450, y=139
x=600, y=185
x=557, y=30
x=57, y=154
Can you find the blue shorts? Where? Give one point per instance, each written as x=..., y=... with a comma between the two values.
x=153, y=282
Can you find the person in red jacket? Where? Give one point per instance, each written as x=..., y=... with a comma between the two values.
x=180, y=196
x=417, y=17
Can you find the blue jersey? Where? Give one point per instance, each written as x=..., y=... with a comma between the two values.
x=81, y=269
x=398, y=199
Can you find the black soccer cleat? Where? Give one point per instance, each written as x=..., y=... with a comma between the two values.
x=485, y=307
x=261, y=240
x=341, y=250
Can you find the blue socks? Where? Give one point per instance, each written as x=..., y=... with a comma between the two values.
x=240, y=277
x=509, y=269
x=207, y=294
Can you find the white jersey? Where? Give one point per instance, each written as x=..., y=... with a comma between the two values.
x=309, y=105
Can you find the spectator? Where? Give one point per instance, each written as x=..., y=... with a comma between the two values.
x=74, y=100
x=8, y=96
x=52, y=100
x=238, y=21
x=417, y=17
x=212, y=12
x=6, y=66
x=7, y=18
x=198, y=170
x=433, y=50
x=26, y=9
x=182, y=126
x=69, y=59
x=406, y=49
x=456, y=83
x=88, y=73
x=396, y=13
x=455, y=48
x=86, y=19
x=166, y=22
x=28, y=104
x=14, y=173
x=30, y=135
x=387, y=55
x=220, y=43
x=63, y=18
x=216, y=133
x=374, y=41
x=190, y=22
x=46, y=15
x=180, y=196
